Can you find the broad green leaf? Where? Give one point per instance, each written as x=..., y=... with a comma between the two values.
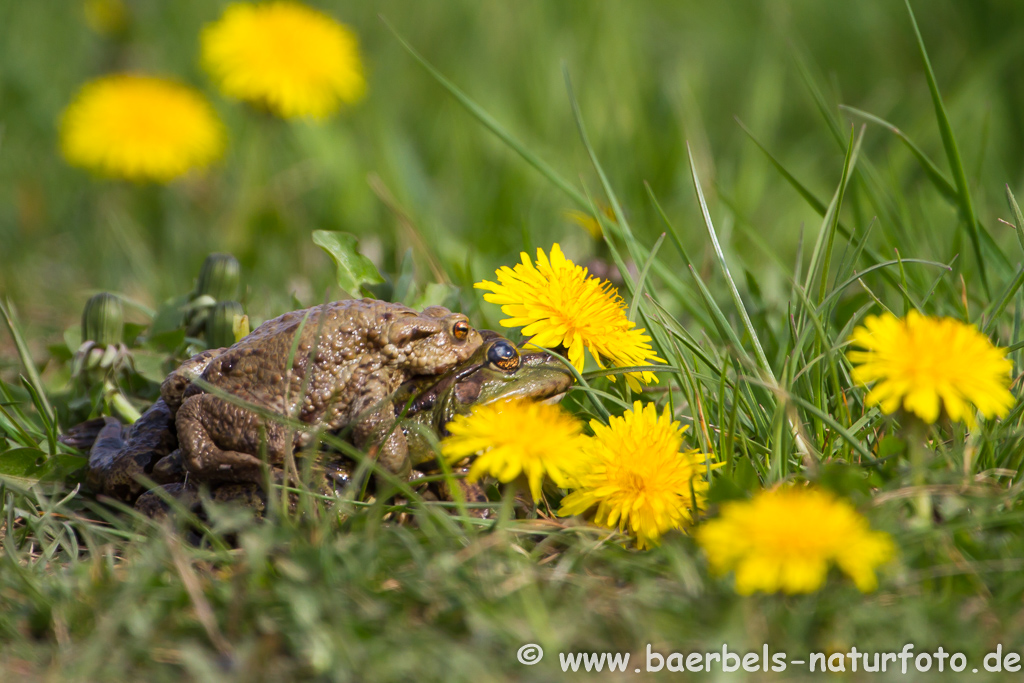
x=60, y=353
x=132, y=332
x=170, y=316
x=27, y=466
x=434, y=294
x=73, y=338
x=167, y=340
x=354, y=269
x=150, y=365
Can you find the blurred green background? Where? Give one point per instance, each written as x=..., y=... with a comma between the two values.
x=648, y=75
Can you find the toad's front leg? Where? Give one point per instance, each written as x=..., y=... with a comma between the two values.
x=173, y=388
x=375, y=426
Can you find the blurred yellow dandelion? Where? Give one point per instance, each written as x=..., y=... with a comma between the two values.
x=558, y=303
x=926, y=364
x=518, y=437
x=140, y=128
x=638, y=478
x=292, y=59
x=589, y=222
x=106, y=17
x=785, y=539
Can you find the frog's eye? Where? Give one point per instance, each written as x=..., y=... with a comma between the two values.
x=460, y=330
x=504, y=355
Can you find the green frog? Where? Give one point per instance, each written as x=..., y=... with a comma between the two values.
x=497, y=371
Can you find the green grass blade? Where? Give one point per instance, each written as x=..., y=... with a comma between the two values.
x=758, y=351
x=725, y=330
x=607, y=372
x=750, y=232
x=936, y=176
x=937, y=281
x=727, y=333
x=26, y=360
x=908, y=302
x=851, y=256
x=691, y=306
x=637, y=250
x=50, y=427
x=620, y=216
x=952, y=154
x=807, y=195
x=14, y=429
x=838, y=289
x=871, y=180
x=819, y=98
x=1004, y=300
x=854, y=442
x=491, y=123
x=675, y=329
x=822, y=251
x=1018, y=218
x=813, y=265
x=643, y=278
x=851, y=155
x=819, y=206
x=939, y=180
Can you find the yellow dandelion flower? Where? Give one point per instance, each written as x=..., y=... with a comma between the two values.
x=518, y=437
x=295, y=60
x=558, y=303
x=786, y=538
x=925, y=364
x=637, y=476
x=140, y=128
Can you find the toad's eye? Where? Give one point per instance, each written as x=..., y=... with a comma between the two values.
x=460, y=330
x=504, y=355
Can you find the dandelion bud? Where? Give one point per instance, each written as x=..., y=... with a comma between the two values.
x=223, y=322
x=219, y=277
x=103, y=320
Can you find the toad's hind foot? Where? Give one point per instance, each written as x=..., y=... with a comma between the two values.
x=153, y=504
x=204, y=421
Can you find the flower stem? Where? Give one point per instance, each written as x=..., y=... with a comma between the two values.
x=915, y=435
x=124, y=408
x=507, y=510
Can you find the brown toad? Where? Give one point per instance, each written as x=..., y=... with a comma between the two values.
x=361, y=352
